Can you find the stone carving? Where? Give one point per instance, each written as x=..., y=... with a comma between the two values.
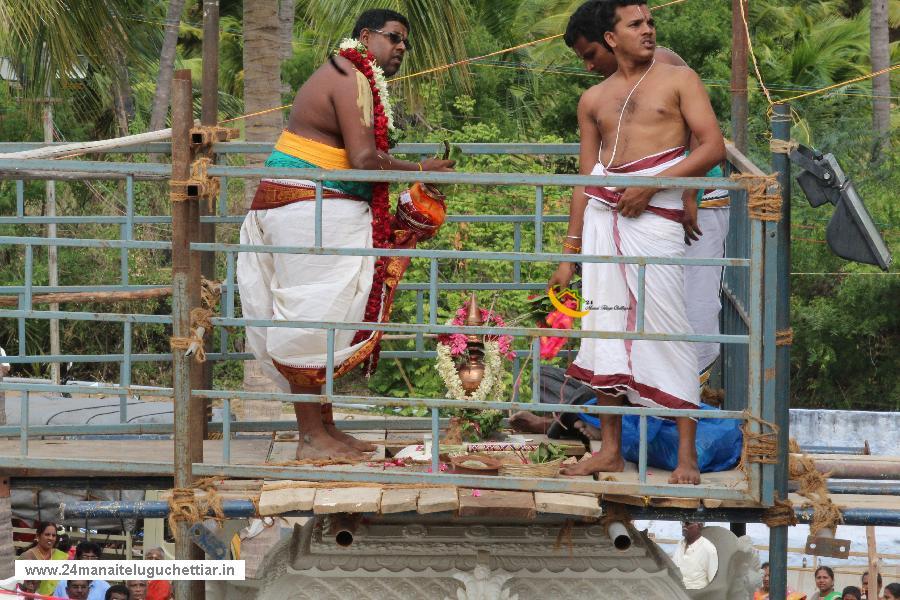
x=461, y=562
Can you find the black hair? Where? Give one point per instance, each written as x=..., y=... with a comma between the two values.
x=87, y=545
x=880, y=580
x=827, y=570
x=376, y=18
x=765, y=565
x=852, y=589
x=39, y=528
x=894, y=589
x=117, y=588
x=593, y=19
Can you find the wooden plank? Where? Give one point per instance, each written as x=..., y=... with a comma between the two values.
x=432, y=500
x=399, y=500
x=276, y=502
x=347, y=500
x=567, y=504
x=496, y=503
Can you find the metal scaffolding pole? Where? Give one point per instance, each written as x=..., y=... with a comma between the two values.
x=778, y=542
x=182, y=119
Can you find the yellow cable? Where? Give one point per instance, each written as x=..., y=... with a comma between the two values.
x=753, y=55
x=841, y=84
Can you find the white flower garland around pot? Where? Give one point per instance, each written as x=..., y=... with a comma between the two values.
x=491, y=387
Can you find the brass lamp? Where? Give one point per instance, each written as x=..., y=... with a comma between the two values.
x=471, y=372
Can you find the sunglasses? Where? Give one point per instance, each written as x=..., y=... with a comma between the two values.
x=395, y=38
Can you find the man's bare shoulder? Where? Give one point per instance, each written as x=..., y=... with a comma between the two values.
x=670, y=70
x=665, y=56
x=595, y=92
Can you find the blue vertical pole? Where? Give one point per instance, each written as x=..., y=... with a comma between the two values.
x=23, y=424
x=517, y=247
x=318, y=214
x=539, y=219
x=226, y=431
x=125, y=373
x=433, y=292
x=420, y=315
x=20, y=198
x=535, y=370
x=778, y=546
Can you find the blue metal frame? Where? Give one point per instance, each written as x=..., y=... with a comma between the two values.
x=747, y=328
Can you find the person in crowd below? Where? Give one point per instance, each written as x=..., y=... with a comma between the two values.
x=865, y=587
x=29, y=586
x=851, y=592
x=117, y=592
x=45, y=549
x=137, y=588
x=825, y=585
x=77, y=589
x=763, y=592
x=892, y=591
x=157, y=589
x=696, y=557
x=86, y=550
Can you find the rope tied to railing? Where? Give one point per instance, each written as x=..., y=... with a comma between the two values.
x=763, y=196
x=784, y=337
x=813, y=485
x=759, y=447
x=781, y=514
x=193, y=345
x=182, y=508
x=198, y=185
x=777, y=146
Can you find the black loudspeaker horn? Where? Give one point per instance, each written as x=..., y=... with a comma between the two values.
x=851, y=232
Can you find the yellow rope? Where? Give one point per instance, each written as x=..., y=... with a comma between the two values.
x=753, y=55
x=444, y=67
x=841, y=84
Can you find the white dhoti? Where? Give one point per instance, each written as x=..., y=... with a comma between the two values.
x=647, y=373
x=304, y=287
x=702, y=285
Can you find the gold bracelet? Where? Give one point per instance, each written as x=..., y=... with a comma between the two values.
x=571, y=247
x=419, y=165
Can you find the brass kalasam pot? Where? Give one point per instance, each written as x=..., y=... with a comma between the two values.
x=471, y=373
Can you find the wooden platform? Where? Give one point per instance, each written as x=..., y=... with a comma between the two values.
x=390, y=499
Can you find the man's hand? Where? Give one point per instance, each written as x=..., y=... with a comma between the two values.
x=562, y=276
x=436, y=164
x=634, y=201
x=689, y=220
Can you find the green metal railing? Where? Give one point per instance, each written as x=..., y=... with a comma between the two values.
x=749, y=274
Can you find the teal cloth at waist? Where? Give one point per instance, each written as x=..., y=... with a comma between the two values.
x=716, y=171
x=279, y=159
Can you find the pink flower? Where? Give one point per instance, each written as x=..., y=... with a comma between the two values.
x=476, y=493
x=550, y=345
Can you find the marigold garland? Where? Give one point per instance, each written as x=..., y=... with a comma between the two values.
x=364, y=62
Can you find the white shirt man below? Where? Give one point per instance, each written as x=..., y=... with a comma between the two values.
x=698, y=559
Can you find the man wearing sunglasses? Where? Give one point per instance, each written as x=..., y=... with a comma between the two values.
x=333, y=124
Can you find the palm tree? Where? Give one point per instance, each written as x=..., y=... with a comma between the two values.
x=53, y=43
x=166, y=66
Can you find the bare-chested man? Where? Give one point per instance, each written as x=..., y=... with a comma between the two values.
x=702, y=284
x=333, y=124
x=637, y=122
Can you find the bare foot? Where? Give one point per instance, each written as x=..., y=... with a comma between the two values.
x=686, y=472
x=598, y=463
x=588, y=431
x=349, y=440
x=528, y=422
x=324, y=447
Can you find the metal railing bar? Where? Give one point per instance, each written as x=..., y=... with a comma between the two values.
x=12, y=168
x=342, y=400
